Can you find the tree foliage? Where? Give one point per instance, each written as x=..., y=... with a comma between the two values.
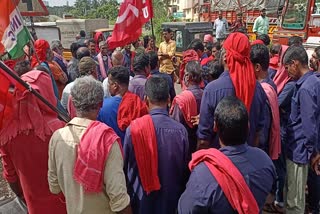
x=109, y=9
x=95, y=9
x=160, y=14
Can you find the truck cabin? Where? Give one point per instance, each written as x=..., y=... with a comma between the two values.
x=300, y=18
x=185, y=32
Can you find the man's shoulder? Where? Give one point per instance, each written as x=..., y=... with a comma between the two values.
x=204, y=178
x=259, y=157
x=312, y=79
x=174, y=125
x=68, y=87
x=223, y=82
x=110, y=101
x=61, y=134
x=172, y=42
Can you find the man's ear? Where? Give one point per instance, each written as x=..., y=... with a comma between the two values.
x=215, y=127
x=100, y=105
x=257, y=67
x=146, y=100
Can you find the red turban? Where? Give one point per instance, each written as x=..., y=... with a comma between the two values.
x=96, y=39
x=241, y=71
x=40, y=47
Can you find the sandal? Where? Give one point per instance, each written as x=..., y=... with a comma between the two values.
x=273, y=208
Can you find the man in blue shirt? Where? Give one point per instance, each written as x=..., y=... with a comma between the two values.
x=224, y=86
x=303, y=127
x=141, y=69
x=204, y=193
x=172, y=150
x=259, y=56
x=122, y=105
x=154, y=66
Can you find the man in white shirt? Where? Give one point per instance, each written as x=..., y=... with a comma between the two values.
x=221, y=26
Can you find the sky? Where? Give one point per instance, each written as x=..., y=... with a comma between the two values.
x=60, y=2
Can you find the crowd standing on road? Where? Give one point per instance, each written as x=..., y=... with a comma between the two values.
x=246, y=126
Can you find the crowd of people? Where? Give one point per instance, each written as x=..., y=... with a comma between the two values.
x=245, y=127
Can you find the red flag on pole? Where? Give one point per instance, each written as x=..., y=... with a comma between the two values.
x=133, y=14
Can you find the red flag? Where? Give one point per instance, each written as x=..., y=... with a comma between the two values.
x=132, y=15
x=6, y=95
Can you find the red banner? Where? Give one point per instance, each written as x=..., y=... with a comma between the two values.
x=133, y=14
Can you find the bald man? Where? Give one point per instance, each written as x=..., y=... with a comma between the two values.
x=117, y=58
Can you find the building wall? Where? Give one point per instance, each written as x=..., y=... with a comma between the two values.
x=186, y=6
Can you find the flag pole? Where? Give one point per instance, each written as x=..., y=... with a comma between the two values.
x=31, y=42
x=152, y=28
x=61, y=114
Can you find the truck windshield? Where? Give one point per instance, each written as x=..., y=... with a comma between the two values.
x=295, y=15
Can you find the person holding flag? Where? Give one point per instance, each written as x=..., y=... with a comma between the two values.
x=24, y=141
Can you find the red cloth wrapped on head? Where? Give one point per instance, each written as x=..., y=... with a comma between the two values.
x=241, y=71
x=40, y=47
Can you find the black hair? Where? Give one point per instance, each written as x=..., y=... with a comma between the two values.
x=82, y=33
x=120, y=74
x=157, y=89
x=265, y=38
x=209, y=46
x=275, y=49
x=295, y=40
x=82, y=52
x=194, y=69
x=22, y=67
x=213, y=69
x=146, y=41
x=196, y=44
x=295, y=52
x=73, y=48
x=168, y=30
x=216, y=45
x=317, y=51
x=153, y=59
x=91, y=41
x=140, y=61
x=231, y=118
x=260, y=54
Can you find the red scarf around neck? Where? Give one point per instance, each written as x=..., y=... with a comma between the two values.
x=144, y=141
x=229, y=179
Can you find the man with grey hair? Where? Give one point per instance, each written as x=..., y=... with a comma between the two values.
x=186, y=106
x=104, y=60
x=85, y=157
x=87, y=66
x=117, y=59
x=57, y=50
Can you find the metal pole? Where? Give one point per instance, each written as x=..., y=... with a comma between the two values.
x=152, y=28
x=63, y=115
